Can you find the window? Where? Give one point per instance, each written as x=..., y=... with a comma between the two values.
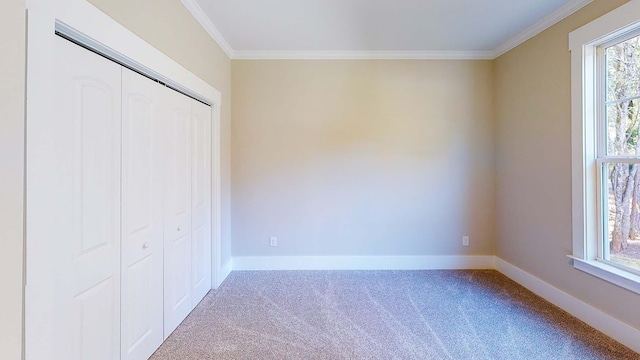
x=618, y=151
x=606, y=146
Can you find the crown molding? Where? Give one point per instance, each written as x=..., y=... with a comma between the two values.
x=197, y=12
x=527, y=34
x=542, y=25
x=363, y=55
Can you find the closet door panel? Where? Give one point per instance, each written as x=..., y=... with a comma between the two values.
x=94, y=327
x=177, y=164
x=179, y=284
x=83, y=199
x=177, y=219
x=142, y=228
x=201, y=200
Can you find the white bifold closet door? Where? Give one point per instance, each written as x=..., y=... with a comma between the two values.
x=187, y=224
x=201, y=201
x=118, y=212
x=177, y=205
x=142, y=229
x=75, y=200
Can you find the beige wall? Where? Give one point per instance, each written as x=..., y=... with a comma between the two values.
x=533, y=132
x=362, y=157
x=168, y=26
x=358, y=157
x=12, y=95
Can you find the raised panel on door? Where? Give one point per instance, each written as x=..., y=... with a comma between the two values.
x=177, y=205
x=79, y=209
x=142, y=228
x=93, y=337
x=201, y=200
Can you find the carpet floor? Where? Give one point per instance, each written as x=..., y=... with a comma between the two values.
x=307, y=315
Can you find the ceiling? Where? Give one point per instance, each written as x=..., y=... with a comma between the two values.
x=376, y=28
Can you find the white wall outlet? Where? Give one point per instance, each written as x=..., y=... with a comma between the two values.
x=273, y=241
x=465, y=241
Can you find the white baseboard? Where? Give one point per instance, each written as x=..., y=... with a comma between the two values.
x=225, y=270
x=612, y=327
x=362, y=262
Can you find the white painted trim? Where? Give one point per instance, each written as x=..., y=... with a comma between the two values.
x=362, y=262
x=99, y=30
x=224, y=273
x=363, y=55
x=199, y=14
x=542, y=25
x=216, y=194
x=527, y=34
x=616, y=276
x=605, y=27
x=88, y=42
x=612, y=327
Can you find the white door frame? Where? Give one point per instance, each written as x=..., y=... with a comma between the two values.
x=87, y=25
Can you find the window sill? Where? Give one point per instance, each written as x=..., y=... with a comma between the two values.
x=609, y=273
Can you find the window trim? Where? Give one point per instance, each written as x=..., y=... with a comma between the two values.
x=583, y=44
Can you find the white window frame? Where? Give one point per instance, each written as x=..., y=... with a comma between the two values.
x=586, y=215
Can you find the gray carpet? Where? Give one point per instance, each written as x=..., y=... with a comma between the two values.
x=382, y=315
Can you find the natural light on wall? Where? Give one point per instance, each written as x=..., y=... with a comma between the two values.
x=606, y=146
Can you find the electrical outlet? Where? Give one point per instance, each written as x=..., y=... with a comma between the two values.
x=465, y=241
x=273, y=241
